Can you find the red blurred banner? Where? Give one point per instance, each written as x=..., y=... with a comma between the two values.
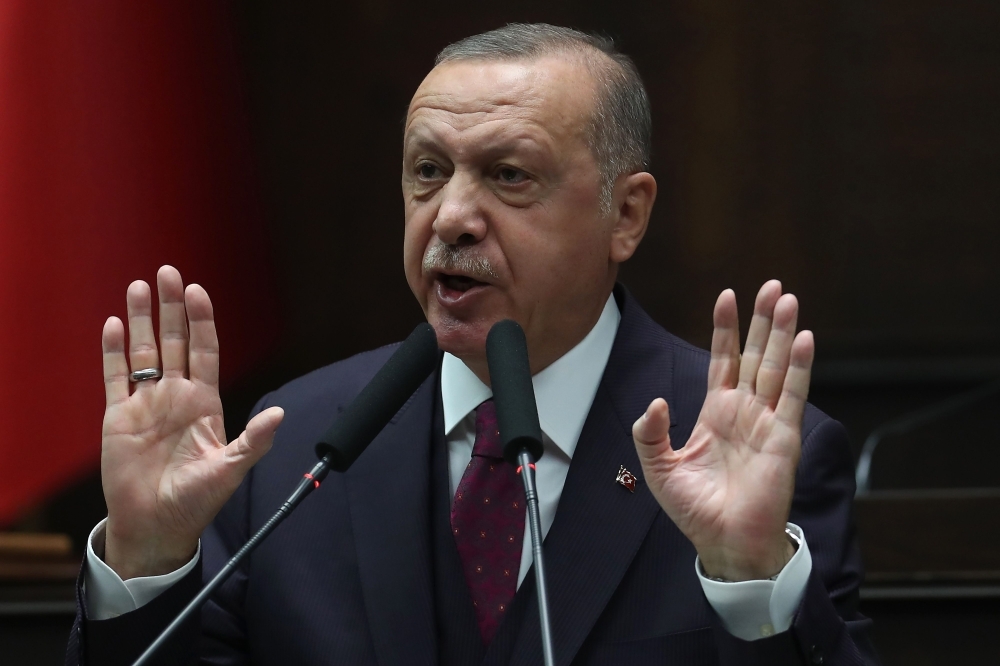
x=124, y=144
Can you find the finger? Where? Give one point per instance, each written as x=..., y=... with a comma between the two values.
x=760, y=330
x=651, y=432
x=725, y=363
x=203, y=355
x=792, y=404
x=115, y=365
x=244, y=452
x=773, y=367
x=173, y=322
x=142, y=352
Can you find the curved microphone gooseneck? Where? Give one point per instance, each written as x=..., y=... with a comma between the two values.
x=346, y=439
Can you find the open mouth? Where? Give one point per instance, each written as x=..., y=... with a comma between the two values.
x=461, y=283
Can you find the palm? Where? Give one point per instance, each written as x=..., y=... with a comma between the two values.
x=164, y=444
x=165, y=465
x=731, y=470
x=729, y=488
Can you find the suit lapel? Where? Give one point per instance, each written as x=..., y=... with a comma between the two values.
x=600, y=525
x=389, y=495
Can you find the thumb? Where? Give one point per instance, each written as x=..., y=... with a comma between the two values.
x=651, y=431
x=255, y=441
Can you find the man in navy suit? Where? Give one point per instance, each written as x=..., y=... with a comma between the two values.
x=696, y=509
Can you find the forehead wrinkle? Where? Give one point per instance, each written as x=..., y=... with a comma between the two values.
x=481, y=137
x=472, y=110
x=495, y=98
x=506, y=89
x=518, y=87
x=456, y=108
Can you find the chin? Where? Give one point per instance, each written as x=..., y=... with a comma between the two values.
x=466, y=340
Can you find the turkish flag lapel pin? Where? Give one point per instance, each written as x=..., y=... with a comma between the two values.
x=626, y=478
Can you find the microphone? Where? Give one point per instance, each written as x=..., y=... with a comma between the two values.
x=510, y=377
x=346, y=439
x=517, y=416
x=379, y=401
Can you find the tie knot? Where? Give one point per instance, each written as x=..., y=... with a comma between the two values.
x=487, y=432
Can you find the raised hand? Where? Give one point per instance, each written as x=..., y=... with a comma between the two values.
x=165, y=465
x=729, y=488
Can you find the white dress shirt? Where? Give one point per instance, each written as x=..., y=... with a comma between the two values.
x=564, y=392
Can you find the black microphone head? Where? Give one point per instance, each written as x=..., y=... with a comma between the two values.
x=513, y=394
x=379, y=401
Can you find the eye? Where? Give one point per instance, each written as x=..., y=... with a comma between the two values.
x=511, y=176
x=428, y=170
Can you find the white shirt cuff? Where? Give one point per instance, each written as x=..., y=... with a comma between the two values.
x=756, y=609
x=108, y=595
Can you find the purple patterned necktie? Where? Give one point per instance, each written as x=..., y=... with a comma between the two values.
x=487, y=519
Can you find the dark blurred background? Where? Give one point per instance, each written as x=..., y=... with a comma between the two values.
x=850, y=149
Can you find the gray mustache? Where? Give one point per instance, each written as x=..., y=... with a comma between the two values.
x=456, y=259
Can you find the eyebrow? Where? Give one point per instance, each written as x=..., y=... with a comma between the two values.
x=419, y=140
x=506, y=143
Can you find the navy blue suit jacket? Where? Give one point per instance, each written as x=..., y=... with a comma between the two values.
x=348, y=578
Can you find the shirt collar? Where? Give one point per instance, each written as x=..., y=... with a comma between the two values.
x=564, y=391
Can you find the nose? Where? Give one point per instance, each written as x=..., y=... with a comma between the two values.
x=460, y=219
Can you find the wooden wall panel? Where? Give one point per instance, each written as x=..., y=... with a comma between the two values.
x=849, y=149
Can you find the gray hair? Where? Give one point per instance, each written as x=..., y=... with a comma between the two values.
x=620, y=131
x=459, y=258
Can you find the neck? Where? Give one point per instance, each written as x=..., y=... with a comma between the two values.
x=540, y=354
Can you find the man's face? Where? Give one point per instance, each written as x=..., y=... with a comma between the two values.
x=502, y=200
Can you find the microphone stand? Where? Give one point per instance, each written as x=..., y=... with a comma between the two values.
x=526, y=470
x=310, y=482
x=366, y=416
x=517, y=418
